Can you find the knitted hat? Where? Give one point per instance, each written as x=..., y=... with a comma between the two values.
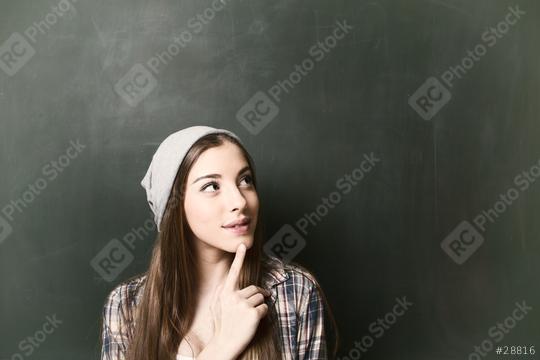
x=165, y=163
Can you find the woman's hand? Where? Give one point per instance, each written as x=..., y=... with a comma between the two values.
x=237, y=312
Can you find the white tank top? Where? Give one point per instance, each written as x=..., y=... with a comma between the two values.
x=182, y=357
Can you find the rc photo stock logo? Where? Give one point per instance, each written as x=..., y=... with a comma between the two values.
x=17, y=50
x=466, y=238
x=140, y=80
x=30, y=344
x=262, y=107
x=289, y=240
x=117, y=254
x=378, y=328
x=499, y=331
x=432, y=95
x=49, y=172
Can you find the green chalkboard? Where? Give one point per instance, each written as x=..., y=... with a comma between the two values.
x=397, y=138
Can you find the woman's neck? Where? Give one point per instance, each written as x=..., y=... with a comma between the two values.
x=213, y=267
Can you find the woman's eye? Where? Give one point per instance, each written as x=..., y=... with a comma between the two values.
x=210, y=184
x=249, y=179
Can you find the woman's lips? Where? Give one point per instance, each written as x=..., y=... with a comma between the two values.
x=238, y=230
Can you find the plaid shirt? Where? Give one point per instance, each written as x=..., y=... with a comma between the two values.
x=297, y=301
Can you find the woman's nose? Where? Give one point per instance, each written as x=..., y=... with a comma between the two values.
x=235, y=199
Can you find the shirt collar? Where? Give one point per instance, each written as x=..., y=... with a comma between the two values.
x=276, y=275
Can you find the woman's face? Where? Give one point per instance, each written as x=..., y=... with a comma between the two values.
x=219, y=190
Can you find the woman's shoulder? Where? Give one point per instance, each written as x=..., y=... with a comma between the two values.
x=128, y=293
x=290, y=275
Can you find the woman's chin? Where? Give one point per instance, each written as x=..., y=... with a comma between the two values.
x=246, y=240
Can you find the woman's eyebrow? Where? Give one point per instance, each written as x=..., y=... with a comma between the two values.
x=217, y=176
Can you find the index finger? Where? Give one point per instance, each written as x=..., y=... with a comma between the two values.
x=231, y=282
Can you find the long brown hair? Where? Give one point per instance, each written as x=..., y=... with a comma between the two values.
x=166, y=310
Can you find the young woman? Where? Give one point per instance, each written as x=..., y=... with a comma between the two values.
x=210, y=292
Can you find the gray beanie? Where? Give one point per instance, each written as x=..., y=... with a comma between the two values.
x=165, y=163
